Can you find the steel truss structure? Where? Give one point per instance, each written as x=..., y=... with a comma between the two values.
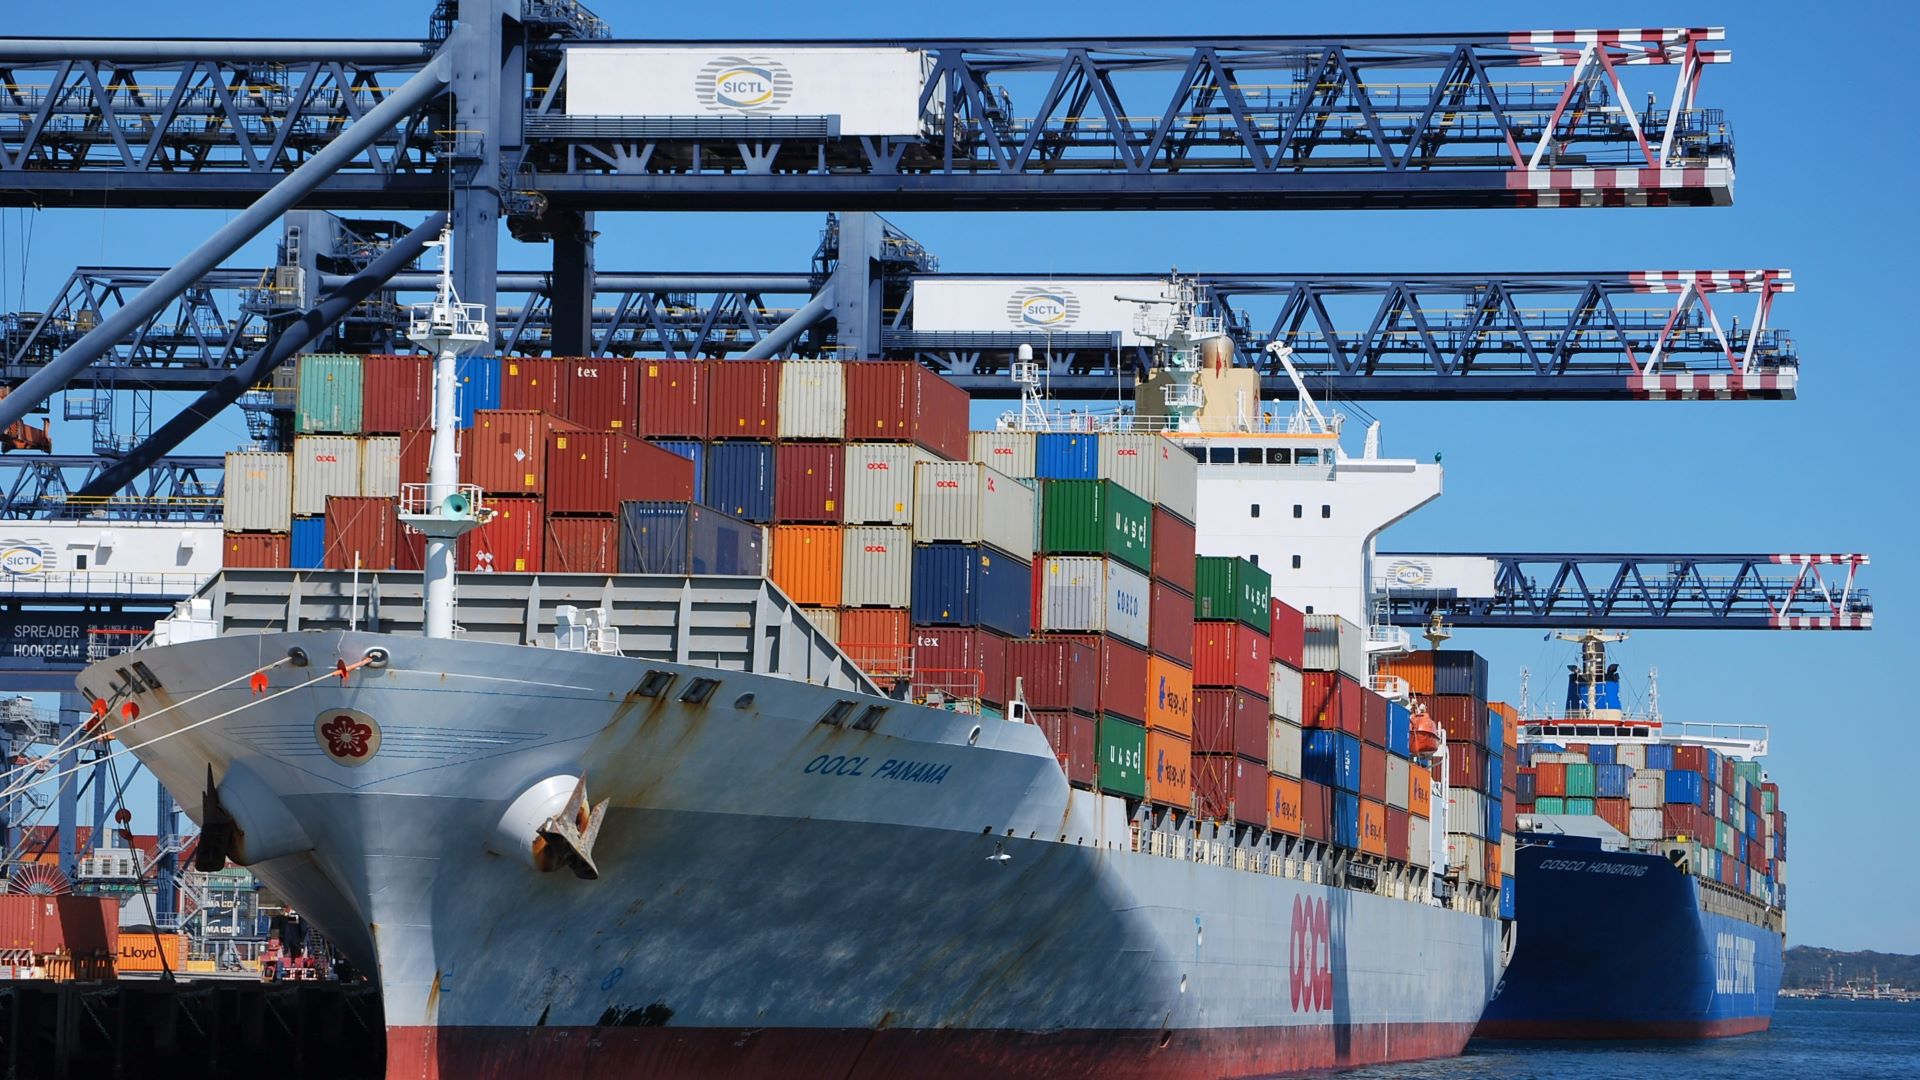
x=1642, y=592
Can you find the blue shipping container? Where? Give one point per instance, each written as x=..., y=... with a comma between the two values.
x=693, y=450
x=1330, y=758
x=1399, y=730
x=740, y=479
x=1683, y=786
x=1610, y=781
x=1523, y=789
x=1524, y=756
x=308, y=548
x=1659, y=756
x=1506, y=898
x=1346, y=819
x=1495, y=820
x=972, y=585
x=1496, y=776
x=686, y=538
x=479, y=386
x=1601, y=754
x=1753, y=824
x=1062, y=456
x=1460, y=671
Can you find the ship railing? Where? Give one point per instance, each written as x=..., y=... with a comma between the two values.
x=955, y=689
x=103, y=642
x=1392, y=687
x=103, y=583
x=887, y=663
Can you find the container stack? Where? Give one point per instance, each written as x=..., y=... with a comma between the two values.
x=1286, y=707
x=1232, y=678
x=1723, y=812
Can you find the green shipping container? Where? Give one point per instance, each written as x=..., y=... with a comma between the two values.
x=1550, y=804
x=1123, y=757
x=1723, y=837
x=1096, y=517
x=1579, y=806
x=1766, y=802
x=329, y=397
x=1580, y=781
x=1227, y=587
x=1750, y=770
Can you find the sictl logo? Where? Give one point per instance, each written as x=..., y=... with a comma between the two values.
x=1041, y=308
x=1310, y=967
x=743, y=84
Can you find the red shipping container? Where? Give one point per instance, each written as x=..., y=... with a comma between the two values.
x=362, y=526
x=1373, y=773
x=807, y=482
x=901, y=401
x=673, y=399
x=964, y=662
x=1726, y=773
x=1170, y=623
x=1467, y=767
x=1071, y=736
x=1615, y=812
x=1231, y=722
x=603, y=393
x=743, y=399
x=1316, y=811
x=1695, y=758
x=1683, y=819
x=536, y=384
x=506, y=450
x=1550, y=778
x=593, y=472
x=257, y=551
x=1055, y=673
x=1225, y=653
x=1331, y=700
x=1461, y=717
x=416, y=454
x=396, y=393
x=1122, y=684
x=1173, y=541
x=582, y=545
x=1373, y=718
x=1289, y=633
x=43, y=925
x=878, y=639
x=1397, y=834
x=512, y=542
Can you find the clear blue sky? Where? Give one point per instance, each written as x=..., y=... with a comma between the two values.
x=1825, y=188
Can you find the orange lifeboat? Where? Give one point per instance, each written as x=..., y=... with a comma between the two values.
x=1426, y=733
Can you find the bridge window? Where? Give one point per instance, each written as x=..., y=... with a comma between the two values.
x=1254, y=559
x=1279, y=457
x=1326, y=511
x=1296, y=562
x=1297, y=510
x=1254, y=511
x=1306, y=457
x=1220, y=455
x=1251, y=455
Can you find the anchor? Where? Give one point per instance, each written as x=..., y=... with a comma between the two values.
x=567, y=837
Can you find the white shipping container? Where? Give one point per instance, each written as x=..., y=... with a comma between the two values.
x=824, y=619
x=1155, y=468
x=1084, y=594
x=1283, y=748
x=1419, y=838
x=1506, y=855
x=1286, y=692
x=876, y=566
x=874, y=91
x=1780, y=872
x=953, y=304
x=1334, y=644
x=1559, y=758
x=970, y=503
x=1397, y=781
x=324, y=465
x=813, y=400
x=1643, y=824
x=259, y=492
x=1469, y=853
x=1466, y=808
x=1632, y=755
x=1647, y=791
x=380, y=466
x=1012, y=452
x=879, y=483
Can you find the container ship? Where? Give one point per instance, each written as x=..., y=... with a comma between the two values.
x=1650, y=873
x=743, y=718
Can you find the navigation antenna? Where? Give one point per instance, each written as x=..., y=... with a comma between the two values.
x=443, y=508
x=1184, y=339
x=1033, y=407
x=1592, y=670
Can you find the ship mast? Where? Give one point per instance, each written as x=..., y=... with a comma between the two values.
x=1184, y=339
x=442, y=508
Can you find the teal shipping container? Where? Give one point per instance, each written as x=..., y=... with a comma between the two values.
x=1580, y=781
x=1096, y=517
x=1549, y=804
x=328, y=398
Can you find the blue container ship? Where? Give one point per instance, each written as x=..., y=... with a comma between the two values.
x=1653, y=909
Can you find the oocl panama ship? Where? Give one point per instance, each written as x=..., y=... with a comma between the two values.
x=662, y=823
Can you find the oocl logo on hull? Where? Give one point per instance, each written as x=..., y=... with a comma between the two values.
x=1310, y=971
x=750, y=85
x=1037, y=307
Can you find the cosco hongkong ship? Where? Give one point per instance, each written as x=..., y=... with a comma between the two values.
x=1106, y=809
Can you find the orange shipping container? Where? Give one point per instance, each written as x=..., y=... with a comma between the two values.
x=506, y=450
x=1169, y=697
x=806, y=563
x=511, y=542
x=259, y=551
x=1373, y=827
x=540, y=385
x=144, y=952
x=877, y=640
x=1169, y=770
x=1420, y=791
x=1283, y=805
x=1415, y=667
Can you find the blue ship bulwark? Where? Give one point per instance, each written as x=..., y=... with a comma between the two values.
x=1615, y=945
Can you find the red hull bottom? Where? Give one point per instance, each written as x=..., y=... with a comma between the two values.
x=589, y=1053
x=1602, y=1030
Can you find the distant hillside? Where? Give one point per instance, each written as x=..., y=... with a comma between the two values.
x=1807, y=967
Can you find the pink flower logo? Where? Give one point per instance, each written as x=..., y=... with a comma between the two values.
x=348, y=736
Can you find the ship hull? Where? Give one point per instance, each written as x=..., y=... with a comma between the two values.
x=775, y=894
x=1616, y=945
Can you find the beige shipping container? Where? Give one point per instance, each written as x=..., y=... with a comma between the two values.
x=878, y=487
x=1469, y=855
x=380, y=466
x=1334, y=644
x=824, y=619
x=970, y=503
x=1419, y=840
x=1155, y=468
x=1397, y=782
x=259, y=492
x=876, y=566
x=1286, y=691
x=1506, y=854
x=1466, y=809
x=324, y=465
x=1086, y=594
x=1283, y=748
x=1012, y=452
x=813, y=400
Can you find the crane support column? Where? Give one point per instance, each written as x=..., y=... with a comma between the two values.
x=573, y=283
x=858, y=304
